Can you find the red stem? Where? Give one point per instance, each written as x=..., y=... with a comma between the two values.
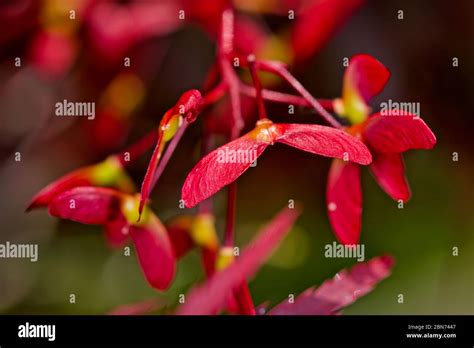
x=214, y=95
x=284, y=98
x=227, y=71
x=226, y=40
x=139, y=147
x=226, y=47
x=233, y=82
x=244, y=300
x=280, y=70
x=211, y=77
x=230, y=217
x=262, y=113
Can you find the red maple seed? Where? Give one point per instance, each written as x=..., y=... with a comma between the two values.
x=214, y=172
x=387, y=136
x=118, y=213
x=109, y=172
x=185, y=110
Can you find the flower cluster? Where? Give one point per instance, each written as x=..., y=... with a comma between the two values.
x=103, y=194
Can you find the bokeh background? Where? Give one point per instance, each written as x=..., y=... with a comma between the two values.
x=73, y=259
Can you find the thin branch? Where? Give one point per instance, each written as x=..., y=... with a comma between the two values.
x=284, y=98
x=138, y=148
x=227, y=71
x=214, y=95
x=230, y=217
x=262, y=113
x=281, y=70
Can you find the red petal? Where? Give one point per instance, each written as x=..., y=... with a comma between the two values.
x=365, y=76
x=344, y=289
x=76, y=178
x=389, y=172
x=216, y=170
x=116, y=231
x=87, y=205
x=344, y=201
x=316, y=23
x=109, y=172
x=325, y=141
x=395, y=134
x=212, y=295
x=154, y=252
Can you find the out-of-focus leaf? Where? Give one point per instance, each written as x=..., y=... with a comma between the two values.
x=341, y=291
x=213, y=294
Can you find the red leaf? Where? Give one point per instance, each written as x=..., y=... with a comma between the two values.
x=395, y=134
x=87, y=205
x=116, y=231
x=365, y=76
x=389, y=172
x=212, y=295
x=325, y=141
x=219, y=169
x=344, y=201
x=154, y=252
x=341, y=291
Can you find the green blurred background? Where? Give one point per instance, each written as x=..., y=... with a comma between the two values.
x=73, y=259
